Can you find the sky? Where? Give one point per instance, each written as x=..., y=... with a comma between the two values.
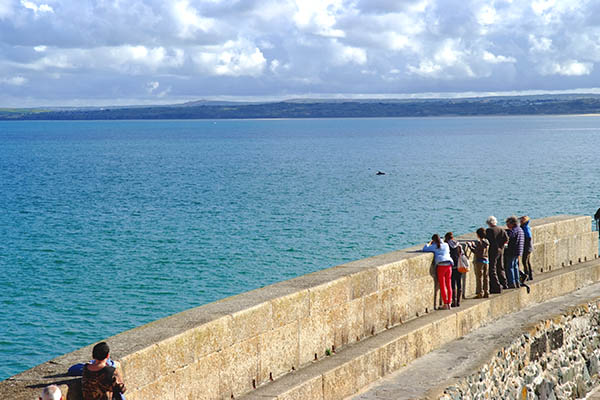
x=103, y=52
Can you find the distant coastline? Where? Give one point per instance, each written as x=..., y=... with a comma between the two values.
x=580, y=104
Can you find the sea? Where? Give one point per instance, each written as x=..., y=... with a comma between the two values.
x=108, y=225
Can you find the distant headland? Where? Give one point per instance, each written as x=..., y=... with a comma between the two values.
x=566, y=104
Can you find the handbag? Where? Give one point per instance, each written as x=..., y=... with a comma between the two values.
x=463, y=264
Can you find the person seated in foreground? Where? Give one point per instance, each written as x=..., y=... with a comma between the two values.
x=51, y=392
x=101, y=380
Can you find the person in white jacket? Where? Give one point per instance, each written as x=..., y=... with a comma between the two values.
x=443, y=262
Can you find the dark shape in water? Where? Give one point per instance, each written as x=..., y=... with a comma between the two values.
x=383, y=173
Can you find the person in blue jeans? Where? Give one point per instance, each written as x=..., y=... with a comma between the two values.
x=514, y=250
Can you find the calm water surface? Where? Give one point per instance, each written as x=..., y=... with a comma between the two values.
x=108, y=225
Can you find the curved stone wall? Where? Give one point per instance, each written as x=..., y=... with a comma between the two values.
x=558, y=358
x=228, y=348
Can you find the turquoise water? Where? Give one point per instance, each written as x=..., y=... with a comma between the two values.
x=107, y=225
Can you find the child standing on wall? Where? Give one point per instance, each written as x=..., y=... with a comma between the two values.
x=480, y=248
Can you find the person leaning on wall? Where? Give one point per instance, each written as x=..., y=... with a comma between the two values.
x=443, y=263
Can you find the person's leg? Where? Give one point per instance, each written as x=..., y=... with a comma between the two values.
x=448, y=282
x=455, y=279
x=457, y=283
x=478, y=279
x=515, y=271
x=442, y=283
x=495, y=286
x=485, y=273
x=500, y=269
x=527, y=265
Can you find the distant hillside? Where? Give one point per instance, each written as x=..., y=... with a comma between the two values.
x=298, y=108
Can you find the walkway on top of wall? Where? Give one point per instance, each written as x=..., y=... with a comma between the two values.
x=355, y=367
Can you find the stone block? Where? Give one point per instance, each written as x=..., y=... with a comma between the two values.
x=471, y=318
x=329, y=295
x=399, y=353
x=211, y=337
x=392, y=275
x=376, y=316
x=593, y=245
x=538, y=257
x=199, y=381
x=562, y=252
x=419, y=266
x=445, y=330
x=290, y=308
x=368, y=368
x=252, y=321
x=565, y=228
x=347, y=323
x=278, y=352
x=141, y=367
x=315, y=336
x=311, y=389
x=364, y=283
x=550, y=255
x=506, y=303
x=339, y=383
x=162, y=388
x=397, y=300
x=238, y=368
x=174, y=353
x=583, y=224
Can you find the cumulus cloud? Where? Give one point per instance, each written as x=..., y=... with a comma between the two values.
x=201, y=48
x=37, y=8
x=233, y=58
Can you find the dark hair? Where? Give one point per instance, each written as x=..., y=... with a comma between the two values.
x=100, y=351
x=481, y=233
x=436, y=239
x=448, y=236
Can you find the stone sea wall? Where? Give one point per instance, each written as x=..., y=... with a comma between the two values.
x=557, y=359
x=228, y=348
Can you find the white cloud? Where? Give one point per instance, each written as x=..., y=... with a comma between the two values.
x=348, y=54
x=425, y=68
x=319, y=17
x=189, y=21
x=234, y=58
x=487, y=15
x=40, y=49
x=14, y=81
x=37, y=9
x=494, y=59
x=539, y=44
x=569, y=68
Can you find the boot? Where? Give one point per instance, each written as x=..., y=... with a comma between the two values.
x=458, y=296
x=454, y=299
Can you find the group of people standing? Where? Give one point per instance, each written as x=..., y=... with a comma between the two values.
x=496, y=252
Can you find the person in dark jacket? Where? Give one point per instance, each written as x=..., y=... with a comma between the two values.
x=527, y=247
x=497, y=238
x=514, y=250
